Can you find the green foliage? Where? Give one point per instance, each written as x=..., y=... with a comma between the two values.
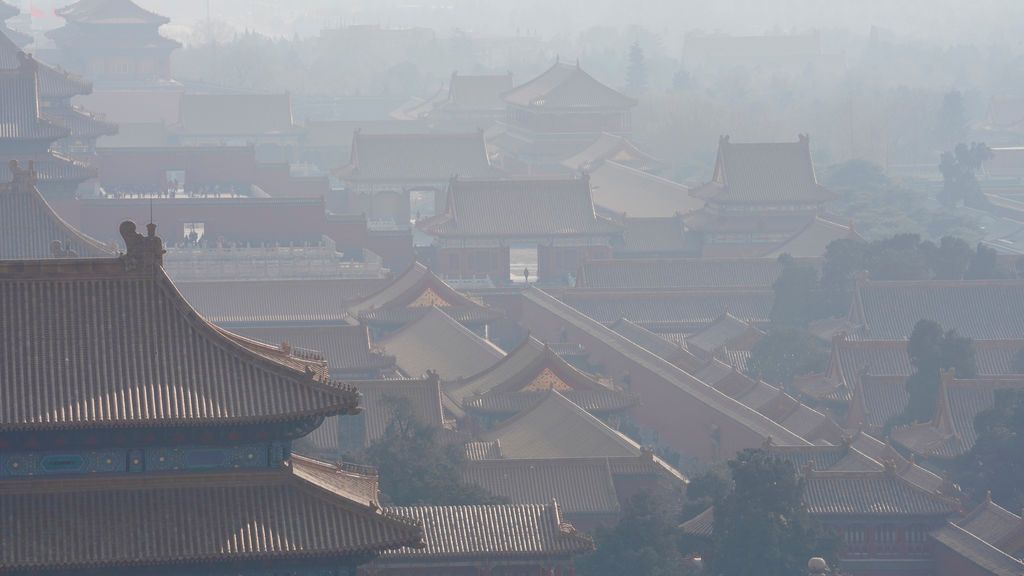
x=644, y=541
x=996, y=462
x=798, y=299
x=762, y=526
x=416, y=468
x=636, y=73
x=984, y=265
x=952, y=125
x=959, y=167
x=784, y=353
x=704, y=490
x=931, y=350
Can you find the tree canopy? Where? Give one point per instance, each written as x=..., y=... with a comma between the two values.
x=784, y=353
x=959, y=168
x=931, y=351
x=996, y=462
x=415, y=467
x=644, y=541
x=762, y=526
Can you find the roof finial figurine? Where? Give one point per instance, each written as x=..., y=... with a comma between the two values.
x=142, y=253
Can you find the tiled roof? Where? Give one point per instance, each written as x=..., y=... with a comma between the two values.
x=533, y=367
x=655, y=237
x=702, y=525
x=980, y=553
x=423, y=397
x=520, y=207
x=53, y=83
x=557, y=428
x=92, y=343
x=611, y=148
x=78, y=123
x=979, y=309
x=995, y=525
x=596, y=401
x=870, y=494
x=726, y=330
x=110, y=12
x=951, y=431
x=49, y=168
x=658, y=345
x=29, y=226
x=235, y=114
x=764, y=173
x=19, y=105
x=483, y=450
x=150, y=520
x=413, y=294
x=19, y=38
x=680, y=310
x=468, y=92
x=681, y=273
x=242, y=302
x=628, y=191
x=579, y=486
x=502, y=531
x=437, y=342
x=813, y=240
x=346, y=348
x=417, y=157
x=8, y=11
x=691, y=387
x=567, y=86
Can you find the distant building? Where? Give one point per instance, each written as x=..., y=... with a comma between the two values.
x=557, y=115
x=761, y=197
x=235, y=120
x=20, y=39
x=114, y=42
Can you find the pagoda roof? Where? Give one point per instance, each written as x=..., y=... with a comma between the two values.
x=414, y=293
x=567, y=86
x=764, y=173
x=345, y=348
x=680, y=273
x=19, y=105
x=497, y=531
x=106, y=321
x=29, y=226
x=293, y=301
x=417, y=157
x=671, y=310
x=625, y=190
x=978, y=309
x=110, y=12
x=305, y=510
x=813, y=240
x=875, y=493
x=555, y=427
x=436, y=342
x=49, y=168
x=612, y=148
x=519, y=207
x=79, y=123
x=526, y=375
x=235, y=114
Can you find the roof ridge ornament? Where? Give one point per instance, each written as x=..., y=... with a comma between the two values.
x=142, y=253
x=21, y=180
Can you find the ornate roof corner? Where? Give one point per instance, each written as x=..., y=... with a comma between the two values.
x=143, y=253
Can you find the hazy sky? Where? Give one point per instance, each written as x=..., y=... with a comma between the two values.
x=945, y=21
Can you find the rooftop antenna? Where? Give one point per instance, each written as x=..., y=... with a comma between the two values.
x=150, y=210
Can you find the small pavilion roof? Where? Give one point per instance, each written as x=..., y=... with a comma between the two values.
x=626, y=190
x=519, y=207
x=435, y=341
x=81, y=332
x=304, y=510
x=615, y=149
x=524, y=376
x=472, y=92
x=29, y=226
x=497, y=531
x=764, y=173
x=995, y=525
x=424, y=158
x=414, y=293
x=110, y=12
x=567, y=86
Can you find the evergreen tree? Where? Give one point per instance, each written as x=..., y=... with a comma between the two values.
x=931, y=351
x=644, y=541
x=798, y=298
x=636, y=73
x=959, y=169
x=952, y=123
x=784, y=353
x=996, y=461
x=761, y=526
